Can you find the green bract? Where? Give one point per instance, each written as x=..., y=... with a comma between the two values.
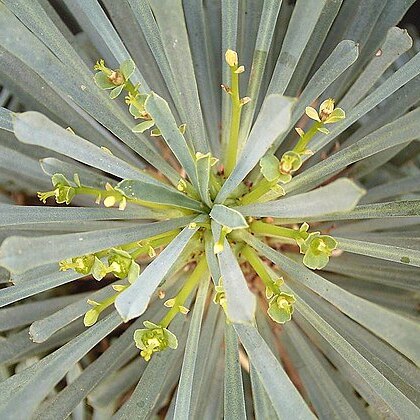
x=233, y=225
x=153, y=339
x=280, y=307
x=317, y=249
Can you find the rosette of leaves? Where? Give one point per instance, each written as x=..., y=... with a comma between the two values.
x=243, y=252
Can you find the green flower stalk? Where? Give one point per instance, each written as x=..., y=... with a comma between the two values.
x=231, y=58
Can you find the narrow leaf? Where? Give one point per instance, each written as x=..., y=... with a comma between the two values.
x=339, y=196
x=133, y=301
x=272, y=120
x=377, y=250
x=241, y=302
x=185, y=387
x=11, y=215
x=20, y=253
x=228, y=217
x=158, y=108
x=203, y=171
x=155, y=193
x=34, y=128
x=6, y=119
x=284, y=396
x=234, y=401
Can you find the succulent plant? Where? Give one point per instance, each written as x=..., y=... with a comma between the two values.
x=209, y=209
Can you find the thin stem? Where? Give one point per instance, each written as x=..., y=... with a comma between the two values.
x=235, y=120
x=261, y=188
x=306, y=138
x=273, y=230
x=118, y=196
x=109, y=301
x=144, y=249
x=214, y=185
x=96, y=192
x=187, y=288
x=259, y=267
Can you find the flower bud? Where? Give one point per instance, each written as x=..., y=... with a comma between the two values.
x=231, y=58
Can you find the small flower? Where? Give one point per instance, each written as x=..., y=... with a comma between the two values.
x=100, y=270
x=326, y=108
x=116, y=80
x=82, y=264
x=220, y=296
x=63, y=191
x=123, y=265
x=92, y=315
x=220, y=244
x=136, y=104
x=327, y=113
x=280, y=307
x=289, y=163
x=182, y=185
x=170, y=303
x=317, y=249
x=154, y=338
x=274, y=288
x=270, y=168
x=303, y=235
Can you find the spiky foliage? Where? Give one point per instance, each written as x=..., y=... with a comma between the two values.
x=208, y=251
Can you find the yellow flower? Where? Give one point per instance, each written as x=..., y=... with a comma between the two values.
x=327, y=114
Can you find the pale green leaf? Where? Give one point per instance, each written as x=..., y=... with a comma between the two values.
x=284, y=396
x=133, y=301
x=34, y=128
x=185, y=387
x=241, y=302
x=341, y=195
x=157, y=193
x=20, y=253
x=234, y=400
x=228, y=217
x=272, y=120
x=158, y=108
x=397, y=254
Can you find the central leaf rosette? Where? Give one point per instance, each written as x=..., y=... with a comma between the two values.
x=212, y=217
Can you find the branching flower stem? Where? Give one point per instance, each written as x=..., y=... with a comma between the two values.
x=187, y=288
x=156, y=243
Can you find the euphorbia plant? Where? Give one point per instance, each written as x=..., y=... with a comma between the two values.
x=235, y=204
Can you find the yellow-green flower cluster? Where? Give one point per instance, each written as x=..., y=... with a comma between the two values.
x=154, y=338
x=119, y=262
x=64, y=192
